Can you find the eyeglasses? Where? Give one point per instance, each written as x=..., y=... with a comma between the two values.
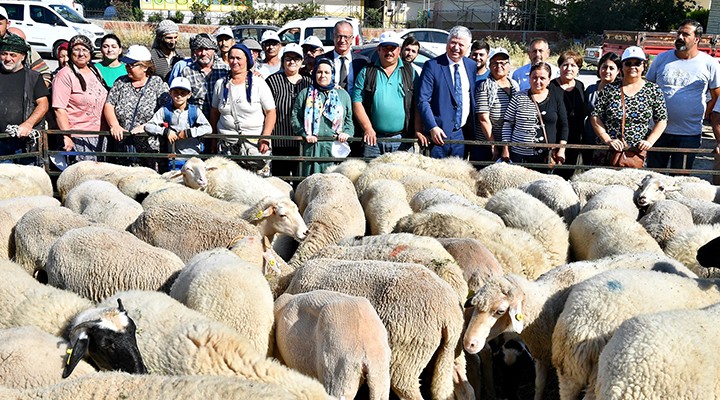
x=271, y=44
x=632, y=63
x=343, y=37
x=500, y=64
x=133, y=65
x=293, y=60
x=80, y=50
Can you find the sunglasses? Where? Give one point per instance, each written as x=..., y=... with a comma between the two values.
x=632, y=63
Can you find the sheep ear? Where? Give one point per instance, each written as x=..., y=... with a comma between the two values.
x=175, y=175
x=211, y=168
x=267, y=212
x=517, y=318
x=673, y=188
x=75, y=354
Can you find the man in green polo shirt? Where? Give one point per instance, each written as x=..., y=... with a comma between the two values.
x=382, y=99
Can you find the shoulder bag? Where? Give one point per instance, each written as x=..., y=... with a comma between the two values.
x=550, y=158
x=628, y=157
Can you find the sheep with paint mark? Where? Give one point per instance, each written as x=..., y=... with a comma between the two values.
x=335, y=338
x=595, y=309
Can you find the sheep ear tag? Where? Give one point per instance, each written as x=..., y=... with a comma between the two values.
x=74, y=355
x=266, y=212
x=517, y=318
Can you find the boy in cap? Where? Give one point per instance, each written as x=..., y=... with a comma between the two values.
x=180, y=122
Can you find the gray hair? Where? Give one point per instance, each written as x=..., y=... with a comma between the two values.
x=459, y=31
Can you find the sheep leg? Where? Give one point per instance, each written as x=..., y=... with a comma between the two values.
x=569, y=388
x=541, y=371
x=405, y=384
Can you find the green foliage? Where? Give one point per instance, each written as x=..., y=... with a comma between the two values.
x=700, y=15
x=155, y=18
x=297, y=11
x=517, y=51
x=199, y=9
x=178, y=18
x=138, y=14
x=373, y=18
x=422, y=19
x=250, y=15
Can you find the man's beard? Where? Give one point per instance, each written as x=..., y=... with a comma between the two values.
x=680, y=45
x=10, y=66
x=169, y=45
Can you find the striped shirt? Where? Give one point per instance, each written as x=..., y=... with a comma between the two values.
x=522, y=123
x=491, y=98
x=285, y=93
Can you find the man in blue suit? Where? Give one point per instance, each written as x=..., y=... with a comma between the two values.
x=446, y=100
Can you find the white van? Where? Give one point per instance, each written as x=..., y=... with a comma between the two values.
x=323, y=27
x=47, y=24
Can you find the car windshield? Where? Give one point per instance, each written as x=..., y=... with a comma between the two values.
x=69, y=14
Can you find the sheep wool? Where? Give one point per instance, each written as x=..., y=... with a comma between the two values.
x=476, y=261
x=615, y=198
x=596, y=307
x=96, y=262
x=83, y=171
x=175, y=340
x=635, y=363
x=11, y=210
x=219, y=285
x=685, y=244
x=665, y=219
x=384, y=203
x=351, y=169
x=228, y=181
x=434, y=196
x=558, y=195
x=602, y=233
x=102, y=202
x=499, y=176
x=23, y=180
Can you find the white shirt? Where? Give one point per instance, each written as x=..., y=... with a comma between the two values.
x=348, y=68
x=464, y=84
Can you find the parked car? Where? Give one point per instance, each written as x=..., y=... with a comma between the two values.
x=48, y=24
x=592, y=55
x=242, y=32
x=433, y=39
x=370, y=51
x=323, y=27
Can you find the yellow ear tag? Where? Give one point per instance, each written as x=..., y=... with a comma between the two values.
x=69, y=353
x=519, y=317
x=259, y=215
x=272, y=262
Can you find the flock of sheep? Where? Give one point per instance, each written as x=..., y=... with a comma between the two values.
x=422, y=278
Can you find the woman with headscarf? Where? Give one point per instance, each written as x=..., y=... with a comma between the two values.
x=242, y=104
x=78, y=98
x=322, y=110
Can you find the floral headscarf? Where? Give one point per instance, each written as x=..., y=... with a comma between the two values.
x=332, y=109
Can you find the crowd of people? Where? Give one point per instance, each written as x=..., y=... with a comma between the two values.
x=274, y=89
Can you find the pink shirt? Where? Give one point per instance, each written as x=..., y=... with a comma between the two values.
x=84, y=109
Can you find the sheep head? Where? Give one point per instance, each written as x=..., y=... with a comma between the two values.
x=651, y=190
x=278, y=215
x=497, y=308
x=194, y=173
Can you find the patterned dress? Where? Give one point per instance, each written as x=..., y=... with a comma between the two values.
x=644, y=106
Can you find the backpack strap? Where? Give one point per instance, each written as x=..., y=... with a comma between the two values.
x=192, y=114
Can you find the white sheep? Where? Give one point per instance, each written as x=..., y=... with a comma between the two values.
x=512, y=303
x=434, y=196
x=102, y=202
x=228, y=181
x=34, y=358
x=197, y=198
x=517, y=252
x=83, y=171
x=36, y=232
x=175, y=340
x=585, y=190
x=499, y=176
x=652, y=190
x=351, y=169
x=330, y=207
x=96, y=262
x=419, y=310
x=595, y=309
x=335, y=338
x=11, y=210
x=666, y=218
x=522, y=211
x=194, y=173
x=23, y=180
x=451, y=220
x=138, y=187
x=667, y=355
x=450, y=167
x=616, y=198
x=219, y=285
x=475, y=259
x=558, y=195
x=414, y=179
x=384, y=203
x=601, y=233
x=685, y=244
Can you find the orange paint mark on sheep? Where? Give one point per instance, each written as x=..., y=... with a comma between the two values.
x=397, y=250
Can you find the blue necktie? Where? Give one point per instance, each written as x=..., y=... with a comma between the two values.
x=458, y=97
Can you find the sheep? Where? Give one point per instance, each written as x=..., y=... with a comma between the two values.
x=34, y=358
x=351, y=169
x=601, y=233
x=118, y=385
x=499, y=176
x=476, y=261
x=684, y=247
x=228, y=181
x=419, y=310
x=531, y=308
x=330, y=207
x=82, y=171
x=138, y=187
x=518, y=252
x=194, y=173
x=628, y=177
x=102, y=202
x=432, y=196
x=585, y=190
x=652, y=190
x=335, y=338
x=616, y=198
x=403, y=248
x=666, y=218
x=558, y=195
x=36, y=232
x=667, y=355
x=595, y=309
x=95, y=262
x=219, y=285
x=197, y=198
x=23, y=180
x=384, y=203
x=414, y=179
x=450, y=167
x=11, y=210
x=523, y=211
x=175, y=340
x=450, y=220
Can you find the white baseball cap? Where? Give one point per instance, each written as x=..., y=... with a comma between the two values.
x=312, y=41
x=269, y=35
x=3, y=13
x=391, y=38
x=136, y=53
x=224, y=31
x=633, y=52
x=292, y=48
x=498, y=51
x=181, y=82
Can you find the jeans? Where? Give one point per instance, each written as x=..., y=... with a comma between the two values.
x=660, y=159
x=449, y=150
x=380, y=148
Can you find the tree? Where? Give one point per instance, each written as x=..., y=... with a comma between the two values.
x=297, y=11
x=199, y=9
